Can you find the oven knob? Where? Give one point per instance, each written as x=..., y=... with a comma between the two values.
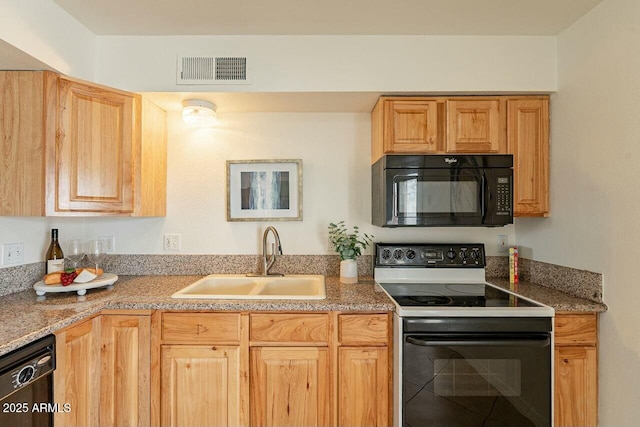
x=386, y=254
x=411, y=254
x=398, y=254
x=451, y=254
x=25, y=375
x=463, y=254
x=475, y=254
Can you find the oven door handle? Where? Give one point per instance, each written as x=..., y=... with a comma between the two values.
x=433, y=341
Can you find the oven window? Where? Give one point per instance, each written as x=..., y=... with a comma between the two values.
x=474, y=381
x=477, y=377
x=417, y=196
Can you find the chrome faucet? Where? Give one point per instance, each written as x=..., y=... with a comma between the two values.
x=269, y=260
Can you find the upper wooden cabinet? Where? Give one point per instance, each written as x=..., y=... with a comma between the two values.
x=405, y=127
x=76, y=148
x=474, y=126
x=528, y=141
x=517, y=125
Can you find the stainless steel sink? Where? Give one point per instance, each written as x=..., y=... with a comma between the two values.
x=237, y=286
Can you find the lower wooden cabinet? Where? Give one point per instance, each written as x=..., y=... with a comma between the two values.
x=76, y=378
x=103, y=372
x=210, y=369
x=200, y=386
x=125, y=370
x=576, y=370
x=272, y=369
x=289, y=386
x=363, y=387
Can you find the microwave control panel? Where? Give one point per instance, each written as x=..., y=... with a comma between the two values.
x=503, y=203
x=426, y=255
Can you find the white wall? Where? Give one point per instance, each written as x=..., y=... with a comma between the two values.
x=339, y=63
x=334, y=148
x=45, y=31
x=595, y=196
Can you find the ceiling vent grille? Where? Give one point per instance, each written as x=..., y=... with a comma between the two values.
x=203, y=70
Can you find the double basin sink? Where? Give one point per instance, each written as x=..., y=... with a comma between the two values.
x=240, y=286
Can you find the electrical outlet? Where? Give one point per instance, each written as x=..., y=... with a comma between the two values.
x=12, y=253
x=109, y=243
x=172, y=242
x=503, y=244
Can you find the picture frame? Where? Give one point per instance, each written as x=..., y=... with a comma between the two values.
x=264, y=190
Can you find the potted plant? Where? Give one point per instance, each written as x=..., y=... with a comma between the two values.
x=348, y=246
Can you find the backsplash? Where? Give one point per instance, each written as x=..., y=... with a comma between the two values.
x=140, y=265
x=20, y=278
x=581, y=283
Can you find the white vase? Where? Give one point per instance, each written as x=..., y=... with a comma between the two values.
x=348, y=271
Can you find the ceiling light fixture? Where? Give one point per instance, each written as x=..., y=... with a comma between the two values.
x=198, y=112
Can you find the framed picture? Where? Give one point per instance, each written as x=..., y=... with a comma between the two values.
x=264, y=190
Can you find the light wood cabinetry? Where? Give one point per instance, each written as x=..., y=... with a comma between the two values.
x=517, y=125
x=285, y=329
x=363, y=386
x=406, y=126
x=528, y=141
x=200, y=386
x=103, y=370
x=290, y=386
x=576, y=370
x=225, y=369
x=474, y=126
x=77, y=374
x=364, y=375
x=276, y=369
x=92, y=160
x=125, y=370
x=77, y=148
x=203, y=369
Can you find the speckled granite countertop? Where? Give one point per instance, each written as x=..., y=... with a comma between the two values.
x=560, y=301
x=24, y=318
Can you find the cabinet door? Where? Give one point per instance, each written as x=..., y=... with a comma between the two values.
x=289, y=386
x=94, y=156
x=411, y=127
x=474, y=126
x=576, y=394
x=125, y=366
x=21, y=150
x=76, y=378
x=363, y=387
x=528, y=136
x=200, y=386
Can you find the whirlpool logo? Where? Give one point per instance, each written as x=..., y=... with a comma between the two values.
x=450, y=160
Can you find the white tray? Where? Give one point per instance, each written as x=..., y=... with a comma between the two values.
x=107, y=279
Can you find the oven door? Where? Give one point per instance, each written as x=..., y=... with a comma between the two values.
x=475, y=380
x=437, y=197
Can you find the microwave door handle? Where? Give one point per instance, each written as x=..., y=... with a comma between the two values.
x=484, y=197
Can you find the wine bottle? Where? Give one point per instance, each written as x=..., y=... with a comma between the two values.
x=55, y=257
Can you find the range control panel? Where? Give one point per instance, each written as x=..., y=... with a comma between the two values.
x=427, y=255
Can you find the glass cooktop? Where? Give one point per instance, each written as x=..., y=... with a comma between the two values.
x=453, y=295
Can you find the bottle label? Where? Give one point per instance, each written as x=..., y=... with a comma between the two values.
x=54, y=265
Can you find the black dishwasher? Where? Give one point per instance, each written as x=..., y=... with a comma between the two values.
x=26, y=385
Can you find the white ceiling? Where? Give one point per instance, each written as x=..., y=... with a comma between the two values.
x=328, y=17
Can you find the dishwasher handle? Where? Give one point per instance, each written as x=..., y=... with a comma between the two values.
x=475, y=340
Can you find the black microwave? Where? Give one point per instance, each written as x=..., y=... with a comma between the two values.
x=442, y=190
